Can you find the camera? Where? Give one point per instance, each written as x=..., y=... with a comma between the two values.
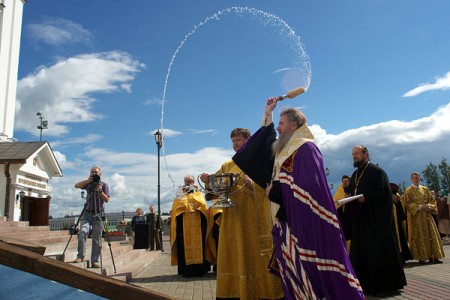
x=95, y=178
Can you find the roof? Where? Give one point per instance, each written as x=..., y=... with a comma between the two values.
x=19, y=152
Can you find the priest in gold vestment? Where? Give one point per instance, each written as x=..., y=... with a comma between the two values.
x=188, y=231
x=424, y=240
x=245, y=240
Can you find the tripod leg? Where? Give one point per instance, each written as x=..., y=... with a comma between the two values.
x=72, y=233
x=108, y=240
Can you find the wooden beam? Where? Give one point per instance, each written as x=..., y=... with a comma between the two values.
x=76, y=277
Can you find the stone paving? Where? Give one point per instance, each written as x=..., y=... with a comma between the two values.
x=428, y=281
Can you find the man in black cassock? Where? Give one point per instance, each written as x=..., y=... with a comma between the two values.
x=374, y=251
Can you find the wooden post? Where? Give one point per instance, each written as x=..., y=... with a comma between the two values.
x=76, y=277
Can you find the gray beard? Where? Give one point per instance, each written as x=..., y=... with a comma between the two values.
x=281, y=141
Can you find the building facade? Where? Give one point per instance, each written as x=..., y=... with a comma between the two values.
x=10, y=33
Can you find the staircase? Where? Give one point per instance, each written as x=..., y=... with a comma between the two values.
x=118, y=259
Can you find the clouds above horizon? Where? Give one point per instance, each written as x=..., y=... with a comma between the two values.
x=57, y=32
x=65, y=90
x=441, y=83
x=399, y=147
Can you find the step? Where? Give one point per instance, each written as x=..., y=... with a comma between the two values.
x=136, y=266
x=122, y=254
x=127, y=261
x=8, y=227
x=35, y=232
x=72, y=249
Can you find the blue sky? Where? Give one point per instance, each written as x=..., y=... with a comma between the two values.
x=106, y=75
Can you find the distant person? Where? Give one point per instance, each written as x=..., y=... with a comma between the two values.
x=245, y=243
x=139, y=230
x=310, y=254
x=424, y=239
x=139, y=218
x=341, y=193
x=97, y=196
x=401, y=223
x=443, y=216
x=435, y=218
x=188, y=232
x=374, y=251
x=154, y=231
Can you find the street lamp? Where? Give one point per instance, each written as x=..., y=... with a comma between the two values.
x=123, y=215
x=21, y=196
x=327, y=172
x=159, y=141
x=43, y=124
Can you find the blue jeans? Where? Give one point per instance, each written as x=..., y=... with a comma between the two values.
x=87, y=220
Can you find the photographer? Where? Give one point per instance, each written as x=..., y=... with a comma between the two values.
x=97, y=195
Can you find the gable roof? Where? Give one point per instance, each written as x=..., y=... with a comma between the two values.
x=19, y=152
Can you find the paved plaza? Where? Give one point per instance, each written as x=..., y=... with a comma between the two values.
x=429, y=281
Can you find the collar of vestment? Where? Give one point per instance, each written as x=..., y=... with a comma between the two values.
x=299, y=137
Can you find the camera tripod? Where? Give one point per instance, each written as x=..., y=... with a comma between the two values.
x=99, y=215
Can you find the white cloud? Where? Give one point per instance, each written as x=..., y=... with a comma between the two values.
x=399, y=147
x=57, y=31
x=203, y=131
x=441, y=83
x=167, y=133
x=281, y=70
x=64, y=91
x=132, y=177
x=153, y=101
x=88, y=139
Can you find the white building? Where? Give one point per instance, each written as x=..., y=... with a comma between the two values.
x=10, y=32
x=25, y=167
x=25, y=171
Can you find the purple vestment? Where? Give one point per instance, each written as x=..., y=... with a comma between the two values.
x=309, y=243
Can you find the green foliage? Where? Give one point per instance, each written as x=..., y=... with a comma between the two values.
x=402, y=188
x=444, y=169
x=437, y=177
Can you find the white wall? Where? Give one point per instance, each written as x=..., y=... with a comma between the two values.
x=10, y=32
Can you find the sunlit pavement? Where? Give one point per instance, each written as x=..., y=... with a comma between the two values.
x=428, y=281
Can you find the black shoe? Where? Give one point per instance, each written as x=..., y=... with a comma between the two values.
x=435, y=261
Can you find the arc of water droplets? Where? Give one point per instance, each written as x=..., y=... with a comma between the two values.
x=280, y=22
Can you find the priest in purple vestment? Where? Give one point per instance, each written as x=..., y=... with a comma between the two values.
x=310, y=254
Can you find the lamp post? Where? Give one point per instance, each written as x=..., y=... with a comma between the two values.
x=21, y=197
x=43, y=124
x=123, y=215
x=159, y=141
x=327, y=172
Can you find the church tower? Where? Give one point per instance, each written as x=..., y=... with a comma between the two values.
x=10, y=32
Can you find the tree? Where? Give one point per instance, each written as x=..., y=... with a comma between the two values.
x=431, y=177
x=444, y=169
x=402, y=188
